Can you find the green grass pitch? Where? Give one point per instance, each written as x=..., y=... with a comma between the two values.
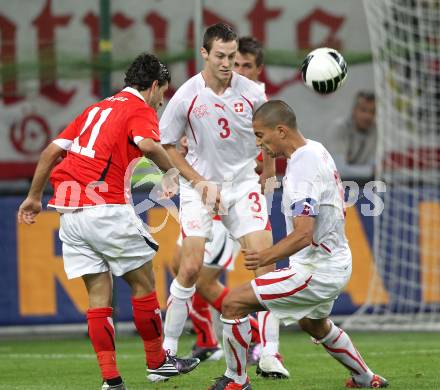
x=407, y=360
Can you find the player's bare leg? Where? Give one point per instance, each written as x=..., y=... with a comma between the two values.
x=100, y=325
x=339, y=345
x=182, y=289
x=270, y=364
x=210, y=288
x=208, y=283
x=175, y=261
x=207, y=346
x=258, y=241
x=141, y=280
x=236, y=335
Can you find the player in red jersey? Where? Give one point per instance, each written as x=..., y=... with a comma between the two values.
x=101, y=233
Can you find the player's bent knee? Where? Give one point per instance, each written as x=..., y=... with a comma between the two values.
x=304, y=324
x=231, y=307
x=189, y=272
x=228, y=307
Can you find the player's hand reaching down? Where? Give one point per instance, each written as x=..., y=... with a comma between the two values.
x=210, y=194
x=170, y=183
x=28, y=210
x=252, y=259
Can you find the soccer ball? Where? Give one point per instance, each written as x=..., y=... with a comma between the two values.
x=324, y=70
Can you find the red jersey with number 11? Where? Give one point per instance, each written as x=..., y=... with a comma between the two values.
x=100, y=144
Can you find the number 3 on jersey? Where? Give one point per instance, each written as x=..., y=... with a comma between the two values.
x=226, y=131
x=256, y=206
x=88, y=150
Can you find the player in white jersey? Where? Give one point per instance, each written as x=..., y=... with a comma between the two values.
x=220, y=254
x=320, y=258
x=214, y=109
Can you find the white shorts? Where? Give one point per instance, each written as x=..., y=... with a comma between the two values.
x=102, y=238
x=295, y=292
x=245, y=211
x=222, y=250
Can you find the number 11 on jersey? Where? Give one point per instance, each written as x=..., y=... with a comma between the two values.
x=88, y=150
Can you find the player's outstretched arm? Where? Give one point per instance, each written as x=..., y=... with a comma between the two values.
x=155, y=152
x=31, y=206
x=300, y=238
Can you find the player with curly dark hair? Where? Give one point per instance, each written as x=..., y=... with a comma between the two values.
x=144, y=70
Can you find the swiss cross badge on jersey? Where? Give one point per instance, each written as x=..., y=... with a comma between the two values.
x=306, y=210
x=238, y=107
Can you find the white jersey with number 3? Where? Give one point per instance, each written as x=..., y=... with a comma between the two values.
x=312, y=187
x=221, y=142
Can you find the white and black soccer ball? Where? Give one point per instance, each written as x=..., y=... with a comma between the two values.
x=324, y=70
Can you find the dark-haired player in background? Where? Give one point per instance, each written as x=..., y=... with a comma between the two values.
x=101, y=233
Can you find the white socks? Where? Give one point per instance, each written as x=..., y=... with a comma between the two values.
x=178, y=307
x=236, y=340
x=269, y=327
x=338, y=344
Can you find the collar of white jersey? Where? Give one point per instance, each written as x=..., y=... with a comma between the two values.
x=134, y=92
x=296, y=152
x=234, y=79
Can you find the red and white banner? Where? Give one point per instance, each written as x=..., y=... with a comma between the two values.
x=44, y=44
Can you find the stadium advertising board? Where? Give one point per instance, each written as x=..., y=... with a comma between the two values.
x=36, y=290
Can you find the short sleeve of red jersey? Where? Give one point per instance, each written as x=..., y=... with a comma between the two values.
x=143, y=124
x=65, y=139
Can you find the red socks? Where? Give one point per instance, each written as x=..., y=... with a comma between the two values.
x=102, y=336
x=255, y=331
x=148, y=322
x=202, y=322
x=217, y=304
